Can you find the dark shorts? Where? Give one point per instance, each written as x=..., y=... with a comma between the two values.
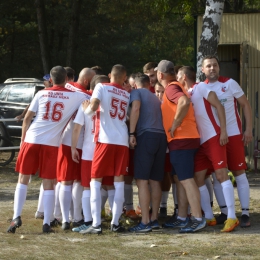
x=149, y=156
x=183, y=163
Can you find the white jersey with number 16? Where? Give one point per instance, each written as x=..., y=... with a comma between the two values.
x=54, y=108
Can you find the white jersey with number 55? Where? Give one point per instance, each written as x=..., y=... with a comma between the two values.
x=54, y=108
x=110, y=127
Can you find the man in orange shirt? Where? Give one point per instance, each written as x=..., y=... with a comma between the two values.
x=183, y=141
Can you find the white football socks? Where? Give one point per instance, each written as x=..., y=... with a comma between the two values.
x=40, y=200
x=209, y=185
x=219, y=195
x=164, y=199
x=111, y=196
x=118, y=202
x=205, y=202
x=57, y=210
x=48, y=204
x=77, y=190
x=19, y=199
x=228, y=191
x=86, y=206
x=243, y=191
x=65, y=196
x=95, y=202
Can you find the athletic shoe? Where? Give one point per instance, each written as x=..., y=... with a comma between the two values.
x=141, y=228
x=230, y=224
x=82, y=227
x=65, y=226
x=193, y=225
x=92, y=230
x=47, y=228
x=175, y=223
x=221, y=218
x=138, y=210
x=154, y=224
x=162, y=213
x=78, y=223
x=15, y=223
x=117, y=228
x=245, y=221
x=39, y=215
x=131, y=214
x=56, y=222
x=211, y=222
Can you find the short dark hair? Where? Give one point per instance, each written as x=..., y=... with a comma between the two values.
x=58, y=75
x=70, y=72
x=98, y=79
x=150, y=65
x=208, y=57
x=98, y=70
x=142, y=79
x=189, y=72
x=134, y=75
x=118, y=70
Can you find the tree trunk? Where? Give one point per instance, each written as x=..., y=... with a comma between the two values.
x=73, y=32
x=210, y=33
x=43, y=36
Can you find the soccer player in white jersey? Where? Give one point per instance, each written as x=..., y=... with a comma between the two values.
x=39, y=143
x=68, y=171
x=230, y=93
x=111, y=102
x=88, y=123
x=211, y=122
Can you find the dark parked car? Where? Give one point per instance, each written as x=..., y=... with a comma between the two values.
x=16, y=94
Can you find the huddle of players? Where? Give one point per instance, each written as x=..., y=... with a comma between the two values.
x=107, y=109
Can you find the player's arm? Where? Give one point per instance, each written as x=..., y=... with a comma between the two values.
x=23, y=114
x=26, y=123
x=89, y=107
x=181, y=111
x=243, y=102
x=74, y=141
x=213, y=100
x=134, y=116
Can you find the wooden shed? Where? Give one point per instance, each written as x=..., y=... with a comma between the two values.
x=239, y=55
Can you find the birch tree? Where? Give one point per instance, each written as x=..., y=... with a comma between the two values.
x=209, y=38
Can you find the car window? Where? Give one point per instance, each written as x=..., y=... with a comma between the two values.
x=21, y=93
x=4, y=92
x=37, y=88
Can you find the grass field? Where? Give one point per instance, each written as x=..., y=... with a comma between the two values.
x=29, y=243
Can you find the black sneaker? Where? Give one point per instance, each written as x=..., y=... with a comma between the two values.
x=55, y=223
x=15, y=223
x=162, y=213
x=65, y=226
x=117, y=228
x=245, y=221
x=175, y=223
x=78, y=223
x=47, y=228
x=221, y=218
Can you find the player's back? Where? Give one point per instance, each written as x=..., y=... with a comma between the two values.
x=54, y=108
x=111, y=116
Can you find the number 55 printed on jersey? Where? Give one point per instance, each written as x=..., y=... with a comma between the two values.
x=53, y=112
x=118, y=108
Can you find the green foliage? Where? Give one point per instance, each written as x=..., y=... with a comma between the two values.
x=119, y=31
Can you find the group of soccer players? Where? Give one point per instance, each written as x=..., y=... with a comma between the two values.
x=79, y=139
